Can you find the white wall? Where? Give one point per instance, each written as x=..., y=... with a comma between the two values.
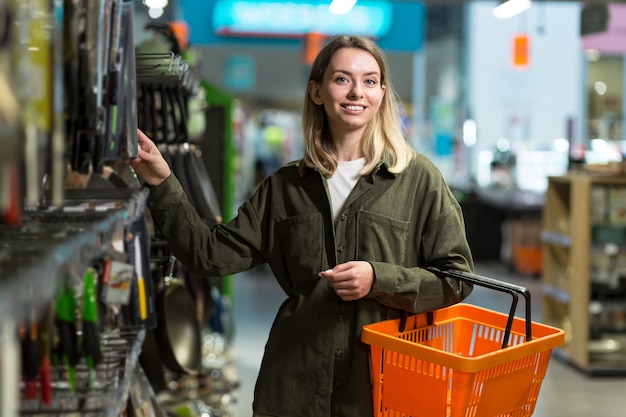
x=543, y=96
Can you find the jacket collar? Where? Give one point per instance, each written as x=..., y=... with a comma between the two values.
x=380, y=169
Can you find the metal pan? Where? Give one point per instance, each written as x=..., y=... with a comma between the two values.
x=202, y=186
x=177, y=331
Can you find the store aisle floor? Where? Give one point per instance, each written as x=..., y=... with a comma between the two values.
x=566, y=392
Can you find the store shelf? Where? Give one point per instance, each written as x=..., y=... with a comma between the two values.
x=556, y=238
x=593, y=369
x=50, y=244
x=511, y=199
x=574, y=254
x=559, y=295
x=102, y=391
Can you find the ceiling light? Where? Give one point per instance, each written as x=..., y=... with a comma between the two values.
x=511, y=8
x=155, y=12
x=155, y=4
x=341, y=6
x=600, y=87
x=593, y=55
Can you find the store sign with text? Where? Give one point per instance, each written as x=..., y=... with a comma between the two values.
x=397, y=25
x=298, y=17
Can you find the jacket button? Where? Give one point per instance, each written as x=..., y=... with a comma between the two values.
x=338, y=352
x=343, y=217
x=340, y=248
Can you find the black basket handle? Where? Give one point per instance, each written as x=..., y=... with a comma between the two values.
x=491, y=283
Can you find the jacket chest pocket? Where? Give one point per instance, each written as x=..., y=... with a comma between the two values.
x=381, y=238
x=302, y=243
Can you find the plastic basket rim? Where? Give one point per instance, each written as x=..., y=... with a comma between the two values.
x=392, y=342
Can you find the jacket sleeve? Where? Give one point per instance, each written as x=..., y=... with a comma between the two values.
x=205, y=249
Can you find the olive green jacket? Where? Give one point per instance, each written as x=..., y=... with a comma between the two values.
x=314, y=363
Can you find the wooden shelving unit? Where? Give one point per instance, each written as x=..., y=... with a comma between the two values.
x=571, y=248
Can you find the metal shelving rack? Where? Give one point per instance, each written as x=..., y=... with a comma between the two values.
x=35, y=259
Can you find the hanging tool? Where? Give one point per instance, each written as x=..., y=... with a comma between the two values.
x=67, y=344
x=45, y=369
x=31, y=359
x=33, y=66
x=91, y=348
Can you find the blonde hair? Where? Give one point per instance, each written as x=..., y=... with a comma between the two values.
x=383, y=140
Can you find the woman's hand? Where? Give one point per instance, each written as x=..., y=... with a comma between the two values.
x=351, y=280
x=149, y=164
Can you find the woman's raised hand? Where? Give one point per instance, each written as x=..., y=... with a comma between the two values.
x=149, y=165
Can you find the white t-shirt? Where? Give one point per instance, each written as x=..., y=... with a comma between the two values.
x=342, y=182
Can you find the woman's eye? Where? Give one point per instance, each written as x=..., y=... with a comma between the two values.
x=342, y=80
x=370, y=82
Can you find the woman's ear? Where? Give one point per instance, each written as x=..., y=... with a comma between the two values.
x=314, y=93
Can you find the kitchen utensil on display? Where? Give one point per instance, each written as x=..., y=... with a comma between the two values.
x=146, y=123
x=116, y=174
x=45, y=368
x=150, y=358
x=98, y=42
x=130, y=146
x=90, y=343
x=31, y=359
x=11, y=195
x=150, y=361
x=180, y=101
x=82, y=80
x=125, y=175
x=205, y=304
x=57, y=157
x=157, y=128
x=10, y=187
x=140, y=311
x=177, y=332
x=187, y=164
x=141, y=281
x=73, y=63
x=93, y=21
x=202, y=187
x=179, y=160
x=199, y=185
x=172, y=129
x=115, y=81
x=10, y=365
x=66, y=345
x=168, y=130
x=32, y=61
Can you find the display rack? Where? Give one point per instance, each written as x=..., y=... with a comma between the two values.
x=51, y=243
x=583, y=227
x=35, y=259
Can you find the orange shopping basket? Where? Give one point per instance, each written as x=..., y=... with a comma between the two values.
x=460, y=361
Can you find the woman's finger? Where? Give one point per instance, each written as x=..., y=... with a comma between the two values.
x=144, y=141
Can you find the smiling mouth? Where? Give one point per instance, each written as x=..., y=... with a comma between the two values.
x=353, y=108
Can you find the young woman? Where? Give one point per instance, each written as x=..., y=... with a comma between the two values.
x=346, y=231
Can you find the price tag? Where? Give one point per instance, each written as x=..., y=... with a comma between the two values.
x=117, y=280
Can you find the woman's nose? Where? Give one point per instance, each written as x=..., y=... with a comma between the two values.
x=356, y=90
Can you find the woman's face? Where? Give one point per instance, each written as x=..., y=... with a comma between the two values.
x=351, y=90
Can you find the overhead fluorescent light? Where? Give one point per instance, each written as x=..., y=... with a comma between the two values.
x=511, y=8
x=341, y=6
